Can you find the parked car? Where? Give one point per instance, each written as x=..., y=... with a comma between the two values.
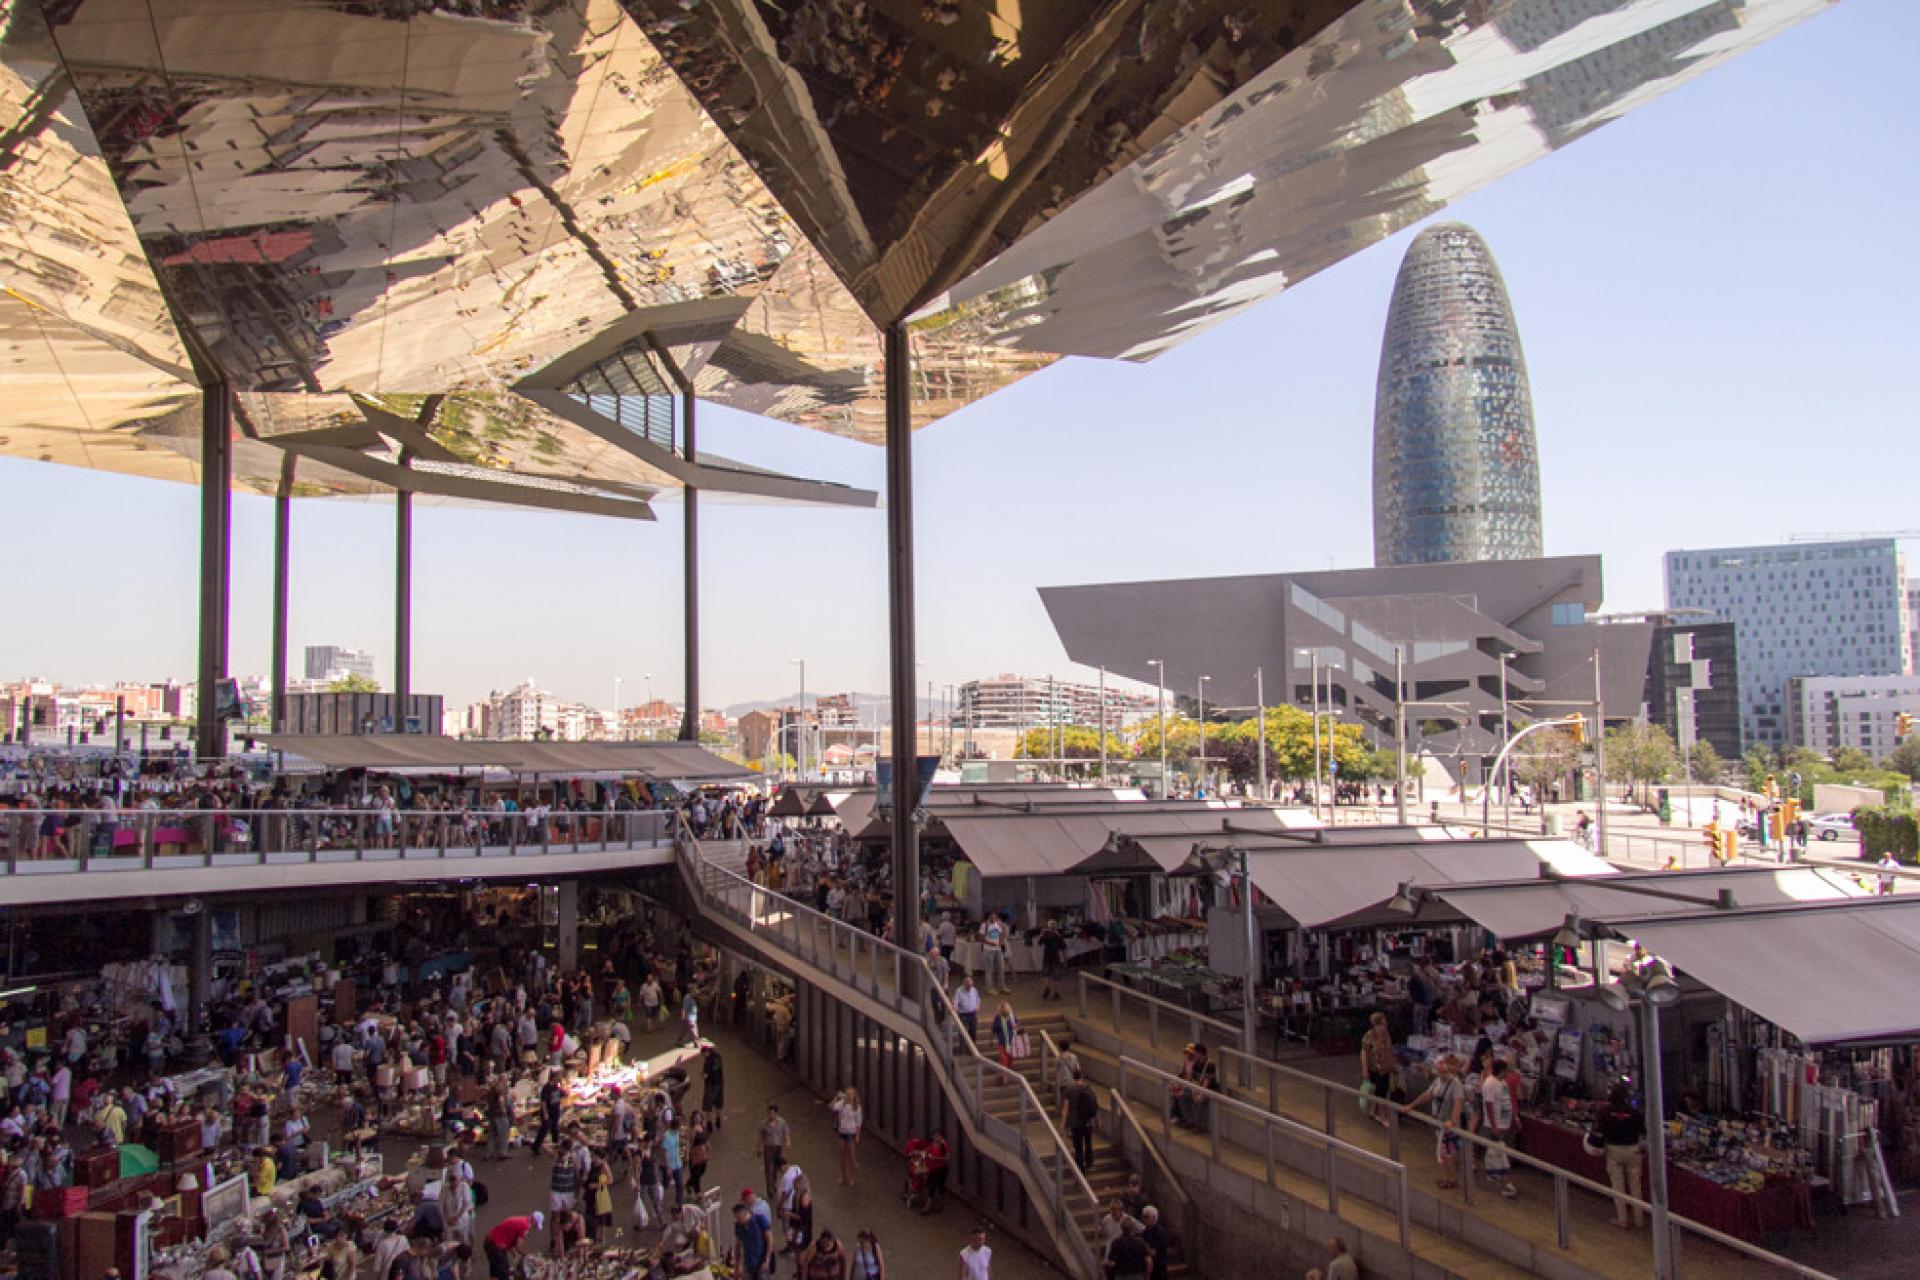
x=1830, y=826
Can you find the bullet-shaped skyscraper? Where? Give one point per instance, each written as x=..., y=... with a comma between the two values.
x=1456, y=475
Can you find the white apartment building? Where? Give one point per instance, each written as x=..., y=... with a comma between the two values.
x=1828, y=713
x=1799, y=609
x=1913, y=623
x=1027, y=702
x=328, y=662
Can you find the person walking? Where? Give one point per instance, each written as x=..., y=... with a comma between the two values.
x=993, y=954
x=869, y=1263
x=1007, y=1036
x=752, y=1244
x=1128, y=1256
x=826, y=1260
x=1620, y=1128
x=774, y=1137
x=1153, y=1233
x=1078, y=1111
x=848, y=1118
x=699, y=1152
x=1500, y=1117
x=673, y=1161
x=1053, y=959
x=966, y=1003
x=713, y=1085
x=1376, y=1064
x=1448, y=1096
x=976, y=1259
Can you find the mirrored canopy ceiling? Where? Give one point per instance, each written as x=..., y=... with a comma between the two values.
x=347, y=206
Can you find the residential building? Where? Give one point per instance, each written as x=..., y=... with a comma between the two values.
x=1913, y=624
x=329, y=662
x=1456, y=472
x=1799, y=609
x=1832, y=713
x=1028, y=702
x=756, y=734
x=1452, y=623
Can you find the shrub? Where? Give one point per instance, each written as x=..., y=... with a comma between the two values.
x=1888, y=831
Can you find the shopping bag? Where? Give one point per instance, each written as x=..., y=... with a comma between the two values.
x=1021, y=1046
x=1366, y=1098
x=641, y=1219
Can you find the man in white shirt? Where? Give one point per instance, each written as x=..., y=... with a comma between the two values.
x=62, y=1094
x=966, y=1003
x=976, y=1260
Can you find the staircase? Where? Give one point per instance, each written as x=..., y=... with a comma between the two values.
x=1110, y=1165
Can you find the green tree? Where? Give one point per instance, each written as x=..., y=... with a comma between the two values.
x=353, y=682
x=1641, y=754
x=1545, y=758
x=1704, y=763
x=1852, y=760
x=1758, y=762
x=1905, y=758
x=1071, y=742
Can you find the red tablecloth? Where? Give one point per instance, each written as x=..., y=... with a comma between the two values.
x=1748, y=1215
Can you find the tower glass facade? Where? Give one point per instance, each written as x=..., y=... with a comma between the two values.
x=1456, y=475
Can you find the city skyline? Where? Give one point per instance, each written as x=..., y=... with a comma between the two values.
x=1674, y=375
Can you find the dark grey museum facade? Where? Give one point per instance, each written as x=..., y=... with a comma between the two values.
x=1451, y=623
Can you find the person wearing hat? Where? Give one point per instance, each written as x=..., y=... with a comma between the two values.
x=508, y=1240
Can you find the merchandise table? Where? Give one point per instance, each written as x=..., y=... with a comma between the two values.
x=1746, y=1215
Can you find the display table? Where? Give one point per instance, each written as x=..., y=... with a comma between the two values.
x=1747, y=1215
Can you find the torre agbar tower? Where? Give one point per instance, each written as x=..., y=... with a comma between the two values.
x=1456, y=474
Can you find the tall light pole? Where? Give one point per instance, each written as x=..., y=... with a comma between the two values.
x=1506, y=735
x=649, y=706
x=1103, y=726
x=1200, y=702
x=617, y=734
x=1313, y=684
x=1160, y=698
x=1400, y=734
x=1646, y=992
x=1260, y=725
x=800, y=739
x=1600, y=763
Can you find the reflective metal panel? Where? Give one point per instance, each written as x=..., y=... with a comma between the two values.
x=415, y=197
x=1372, y=124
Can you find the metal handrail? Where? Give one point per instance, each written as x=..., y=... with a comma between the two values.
x=938, y=1021
x=135, y=837
x=1154, y=1005
x=1562, y=1178
x=1333, y=1146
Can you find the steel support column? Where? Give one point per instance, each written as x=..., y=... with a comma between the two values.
x=216, y=549
x=900, y=634
x=690, y=584
x=402, y=606
x=282, y=536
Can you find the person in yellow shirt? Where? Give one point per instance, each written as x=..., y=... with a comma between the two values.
x=113, y=1121
x=265, y=1172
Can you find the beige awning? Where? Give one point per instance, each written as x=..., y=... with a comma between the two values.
x=1539, y=907
x=1829, y=973
x=1319, y=886
x=1055, y=838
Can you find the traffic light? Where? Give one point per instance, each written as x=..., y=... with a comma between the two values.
x=1712, y=834
x=1792, y=807
x=1578, y=728
x=1777, y=824
x=1729, y=845
x=1902, y=724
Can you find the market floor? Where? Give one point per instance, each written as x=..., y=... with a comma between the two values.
x=915, y=1246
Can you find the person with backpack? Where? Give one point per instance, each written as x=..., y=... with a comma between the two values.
x=1078, y=1111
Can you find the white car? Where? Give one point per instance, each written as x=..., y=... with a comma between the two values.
x=1830, y=826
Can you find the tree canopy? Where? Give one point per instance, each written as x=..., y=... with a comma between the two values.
x=353, y=682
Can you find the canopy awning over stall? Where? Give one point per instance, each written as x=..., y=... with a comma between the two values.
x=1535, y=907
x=1054, y=839
x=1324, y=885
x=1830, y=973
x=1170, y=852
x=661, y=761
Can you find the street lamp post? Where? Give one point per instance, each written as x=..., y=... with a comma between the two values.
x=617, y=734
x=1313, y=684
x=1400, y=734
x=1103, y=726
x=1600, y=761
x=1260, y=726
x=1223, y=859
x=1200, y=701
x=800, y=738
x=1160, y=698
x=1645, y=992
x=1506, y=735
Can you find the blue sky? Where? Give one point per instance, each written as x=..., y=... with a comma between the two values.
x=1716, y=296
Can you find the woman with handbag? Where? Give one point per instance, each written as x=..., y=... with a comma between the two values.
x=1006, y=1031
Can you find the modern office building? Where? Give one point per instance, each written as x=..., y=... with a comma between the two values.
x=1693, y=682
x=1829, y=713
x=1799, y=609
x=1452, y=624
x=1029, y=702
x=1456, y=474
x=1913, y=624
x=326, y=662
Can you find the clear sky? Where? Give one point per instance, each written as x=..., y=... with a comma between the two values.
x=1717, y=297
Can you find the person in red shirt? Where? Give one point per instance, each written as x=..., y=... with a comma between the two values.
x=506, y=1241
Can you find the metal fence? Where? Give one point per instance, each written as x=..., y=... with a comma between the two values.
x=901, y=981
x=51, y=840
